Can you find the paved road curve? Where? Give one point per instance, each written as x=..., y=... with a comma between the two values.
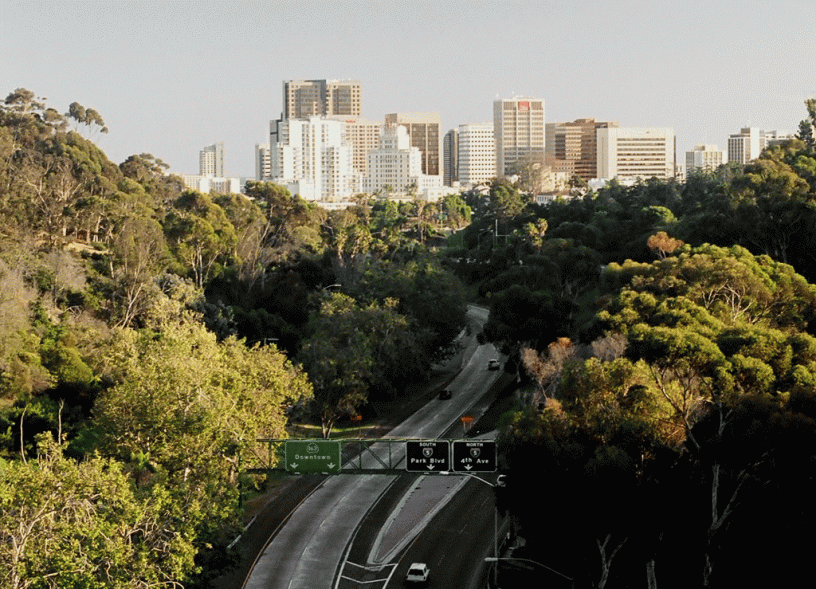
x=307, y=551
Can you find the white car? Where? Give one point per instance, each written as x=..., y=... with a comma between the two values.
x=418, y=573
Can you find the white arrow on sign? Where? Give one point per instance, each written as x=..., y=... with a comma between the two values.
x=430, y=467
x=331, y=464
x=293, y=465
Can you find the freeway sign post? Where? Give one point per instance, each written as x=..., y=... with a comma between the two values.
x=302, y=456
x=474, y=456
x=432, y=456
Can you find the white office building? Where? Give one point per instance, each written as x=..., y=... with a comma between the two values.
x=705, y=157
x=745, y=145
x=477, y=154
x=627, y=154
x=311, y=158
x=396, y=165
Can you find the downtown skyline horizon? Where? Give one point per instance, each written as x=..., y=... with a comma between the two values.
x=165, y=87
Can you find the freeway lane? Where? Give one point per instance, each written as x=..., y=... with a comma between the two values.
x=455, y=543
x=453, y=539
x=306, y=553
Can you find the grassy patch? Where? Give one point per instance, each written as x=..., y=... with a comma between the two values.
x=314, y=430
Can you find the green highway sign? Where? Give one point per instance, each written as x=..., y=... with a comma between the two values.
x=474, y=456
x=303, y=456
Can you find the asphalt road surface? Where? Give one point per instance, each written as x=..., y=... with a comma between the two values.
x=309, y=550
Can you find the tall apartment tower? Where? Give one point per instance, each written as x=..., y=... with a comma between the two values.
x=424, y=134
x=745, y=145
x=477, y=154
x=450, y=158
x=631, y=153
x=573, y=147
x=211, y=161
x=305, y=98
x=704, y=157
x=312, y=159
x=363, y=135
x=518, y=126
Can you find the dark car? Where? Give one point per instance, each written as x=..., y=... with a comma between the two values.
x=445, y=394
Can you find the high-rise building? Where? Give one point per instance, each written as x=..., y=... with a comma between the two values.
x=311, y=157
x=477, y=154
x=211, y=161
x=745, y=145
x=363, y=135
x=450, y=158
x=573, y=147
x=424, y=133
x=396, y=166
x=518, y=127
x=263, y=162
x=704, y=157
x=631, y=153
x=306, y=98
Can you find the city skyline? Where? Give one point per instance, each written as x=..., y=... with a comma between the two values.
x=171, y=77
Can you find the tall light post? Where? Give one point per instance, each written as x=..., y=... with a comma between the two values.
x=496, y=559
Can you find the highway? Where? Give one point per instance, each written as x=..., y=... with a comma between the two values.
x=318, y=546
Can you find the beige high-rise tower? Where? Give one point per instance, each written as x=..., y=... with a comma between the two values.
x=518, y=127
x=573, y=147
x=305, y=98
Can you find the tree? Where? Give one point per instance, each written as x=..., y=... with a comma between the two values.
x=505, y=202
x=138, y=254
x=806, y=128
x=193, y=422
x=87, y=117
x=200, y=235
x=83, y=524
x=662, y=245
x=530, y=170
x=355, y=352
x=455, y=211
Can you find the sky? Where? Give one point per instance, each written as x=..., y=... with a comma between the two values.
x=172, y=76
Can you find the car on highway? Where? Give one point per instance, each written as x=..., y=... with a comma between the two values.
x=445, y=394
x=493, y=364
x=418, y=573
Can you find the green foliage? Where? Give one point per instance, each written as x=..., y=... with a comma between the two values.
x=83, y=524
x=192, y=404
x=431, y=297
x=356, y=354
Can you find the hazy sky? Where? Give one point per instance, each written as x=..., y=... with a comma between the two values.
x=172, y=76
